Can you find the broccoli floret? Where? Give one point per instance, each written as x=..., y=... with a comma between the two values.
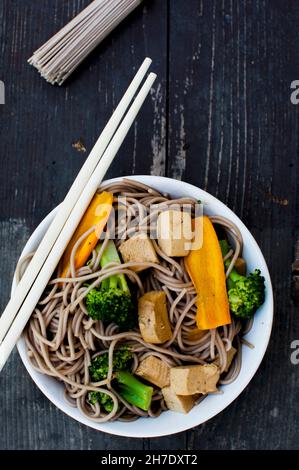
x=103, y=399
x=245, y=293
x=132, y=390
x=112, y=302
x=111, y=306
x=122, y=358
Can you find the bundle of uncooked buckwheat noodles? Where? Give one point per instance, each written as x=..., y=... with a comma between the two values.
x=61, y=54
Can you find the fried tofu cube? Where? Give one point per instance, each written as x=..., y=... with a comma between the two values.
x=154, y=370
x=174, y=230
x=176, y=402
x=189, y=380
x=138, y=249
x=153, y=317
x=230, y=356
x=240, y=266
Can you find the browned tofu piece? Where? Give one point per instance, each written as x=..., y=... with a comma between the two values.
x=138, y=249
x=189, y=380
x=153, y=317
x=174, y=232
x=230, y=356
x=176, y=402
x=240, y=266
x=155, y=371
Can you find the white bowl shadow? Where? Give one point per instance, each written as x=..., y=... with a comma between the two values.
x=169, y=422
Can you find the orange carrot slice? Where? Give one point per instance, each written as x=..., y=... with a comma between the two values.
x=206, y=270
x=96, y=215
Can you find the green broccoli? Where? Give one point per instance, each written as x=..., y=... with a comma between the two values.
x=122, y=359
x=112, y=302
x=245, y=293
x=132, y=390
x=103, y=399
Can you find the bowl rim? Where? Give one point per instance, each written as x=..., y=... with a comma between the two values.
x=106, y=427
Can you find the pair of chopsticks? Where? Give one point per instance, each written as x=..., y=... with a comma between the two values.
x=52, y=246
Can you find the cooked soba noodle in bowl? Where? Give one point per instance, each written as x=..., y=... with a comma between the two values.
x=148, y=351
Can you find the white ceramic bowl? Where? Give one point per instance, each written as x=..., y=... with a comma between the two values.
x=170, y=422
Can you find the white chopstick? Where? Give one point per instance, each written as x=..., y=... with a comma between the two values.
x=69, y=202
x=74, y=218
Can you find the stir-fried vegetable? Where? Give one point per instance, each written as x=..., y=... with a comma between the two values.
x=122, y=358
x=132, y=390
x=245, y=293
x=112, y=302
x=206, y=269
x=103, y=399
x=95, y=216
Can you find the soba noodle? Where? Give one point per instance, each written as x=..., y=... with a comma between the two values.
x=62, y=339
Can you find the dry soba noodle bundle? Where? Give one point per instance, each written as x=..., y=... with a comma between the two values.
x=62, y=339
x=60, y=55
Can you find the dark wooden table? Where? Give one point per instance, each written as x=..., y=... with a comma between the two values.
x=220, y=117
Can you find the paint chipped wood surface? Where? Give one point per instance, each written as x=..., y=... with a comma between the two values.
x=220, y=117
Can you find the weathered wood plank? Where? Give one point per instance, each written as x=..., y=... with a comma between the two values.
x=234, y=132
x=39, y=124
x=228, y=127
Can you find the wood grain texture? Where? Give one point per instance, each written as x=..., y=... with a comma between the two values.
x=238, y=133
x=220, y=117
